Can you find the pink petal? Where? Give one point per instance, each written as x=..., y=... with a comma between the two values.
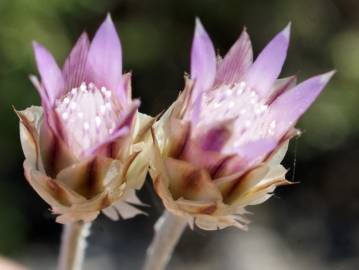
x=75, y=64
x=236, y=62
x=281, y=86
x=42, y=92
x=203, y=60
x=216, y=136
x=255, y=151
x=288, y=107
x=55, y=124
x=50, y=73
x=55, y=153
x=104, y=148
x=51, y=117
x=249, y=155
x=128, y=116
x=268, y=65
x=202, y=158
x=105, y=59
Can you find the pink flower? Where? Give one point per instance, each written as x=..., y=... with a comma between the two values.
x=83, y=152
x=221, y=143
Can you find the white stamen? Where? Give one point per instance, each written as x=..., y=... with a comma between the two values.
x=273, y=124
x=108, y=94
x=86, y=125
x=83, y=87
x=236, y=102
x=228, y=92
x=98, y=121
x=102, y=109
x=88, y=116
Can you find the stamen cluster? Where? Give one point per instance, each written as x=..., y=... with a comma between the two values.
x=88, y=115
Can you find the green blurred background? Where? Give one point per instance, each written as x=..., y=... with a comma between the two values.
x=314, y=225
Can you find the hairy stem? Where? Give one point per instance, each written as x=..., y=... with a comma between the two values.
x=73, y=245
x=168, y=230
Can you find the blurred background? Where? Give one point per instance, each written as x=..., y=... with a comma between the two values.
x=313, y=225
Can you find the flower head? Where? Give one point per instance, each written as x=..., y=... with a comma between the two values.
x=84, y=147
x=218, y=148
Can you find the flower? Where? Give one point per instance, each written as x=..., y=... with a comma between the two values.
x=218, y=148
x=85, y=148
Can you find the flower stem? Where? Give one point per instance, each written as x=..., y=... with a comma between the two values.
x=168, y=230
x=73, y=245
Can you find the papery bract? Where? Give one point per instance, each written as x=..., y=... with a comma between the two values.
x=218, y=148
x=86, y=147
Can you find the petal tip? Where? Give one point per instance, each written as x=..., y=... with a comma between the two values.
x=137, y=103
x=199, y=29
x=36, y=45
x=109, y=18
x=84, y=35
x=107, y=23
x=39, y=49
x=327, y=76
x=286, y=31
x=244, y=33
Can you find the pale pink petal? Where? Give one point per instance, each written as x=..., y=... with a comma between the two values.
x=74, y=67
x=199, y=157
x=51, y=75
x=203, y=61
x=249, y=155
x=105, y=59
x=288, y=107
x=216, y=136
x=236, y=62
x=105, y=148
x=55, y=124
x=255, y=151
x=280, y=86
x=127, y=118
x=42, y=92
x=196, y=108
x=268, y=65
